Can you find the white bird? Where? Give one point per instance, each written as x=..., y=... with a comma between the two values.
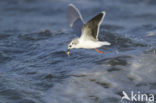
x=87, y=33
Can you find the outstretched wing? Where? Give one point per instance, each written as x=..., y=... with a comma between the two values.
x=90, y=30
x=75, y=19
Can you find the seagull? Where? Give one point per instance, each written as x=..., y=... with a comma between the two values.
x=87, y=32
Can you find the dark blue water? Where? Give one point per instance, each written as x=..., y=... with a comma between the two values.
x=34, y=68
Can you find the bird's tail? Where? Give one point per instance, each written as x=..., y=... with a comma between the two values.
x=105, y=43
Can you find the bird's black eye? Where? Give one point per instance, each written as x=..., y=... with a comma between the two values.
x=69, y=45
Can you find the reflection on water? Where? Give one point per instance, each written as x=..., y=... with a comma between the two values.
x=35, y=69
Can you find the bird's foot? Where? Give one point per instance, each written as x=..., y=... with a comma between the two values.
x=99, y=51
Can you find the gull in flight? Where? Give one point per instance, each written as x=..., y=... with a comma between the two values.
x=87, y=32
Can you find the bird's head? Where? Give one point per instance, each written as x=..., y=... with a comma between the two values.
x=72, y=44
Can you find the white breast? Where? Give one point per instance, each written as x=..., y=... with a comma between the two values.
x=89, y=44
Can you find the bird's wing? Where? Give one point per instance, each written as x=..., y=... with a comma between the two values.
x=75, y=19
x=90, y=30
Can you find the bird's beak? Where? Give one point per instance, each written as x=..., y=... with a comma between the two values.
x=68, y=51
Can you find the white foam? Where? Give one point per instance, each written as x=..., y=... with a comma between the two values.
x=96, y=84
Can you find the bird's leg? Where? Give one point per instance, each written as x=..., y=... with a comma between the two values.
x=99, y=51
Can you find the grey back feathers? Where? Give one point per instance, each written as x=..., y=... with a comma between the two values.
x=75, y=19
x=90, y=30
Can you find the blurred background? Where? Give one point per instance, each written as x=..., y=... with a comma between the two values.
x=34, y=68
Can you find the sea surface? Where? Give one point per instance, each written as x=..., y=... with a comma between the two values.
x=34, y=67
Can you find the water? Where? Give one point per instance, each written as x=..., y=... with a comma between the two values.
x=35, y=69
